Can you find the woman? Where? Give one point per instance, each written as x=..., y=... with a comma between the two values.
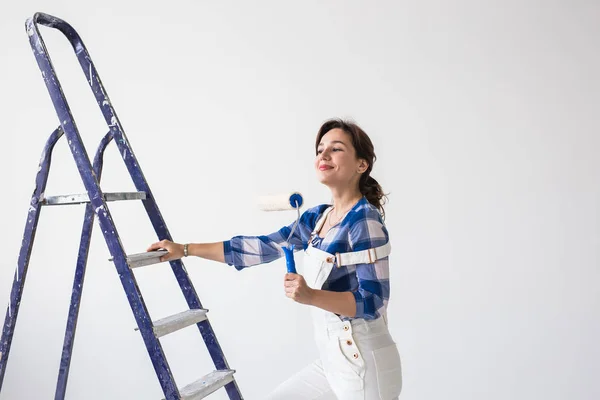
x=346, y=274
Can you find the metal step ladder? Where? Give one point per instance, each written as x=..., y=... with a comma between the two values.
x=97, y=205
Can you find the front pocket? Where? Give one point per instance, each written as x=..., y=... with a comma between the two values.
x=352, y=356
x=389, y=372
x=346, y=367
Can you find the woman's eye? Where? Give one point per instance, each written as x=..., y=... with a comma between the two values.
x=319, y=151
x=337, y=149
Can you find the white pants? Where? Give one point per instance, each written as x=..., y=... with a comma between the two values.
x=359, y=361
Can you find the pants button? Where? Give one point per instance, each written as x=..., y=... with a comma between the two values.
x=346, y=327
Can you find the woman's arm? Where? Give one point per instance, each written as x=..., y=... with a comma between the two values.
x=210, y=251
x=373, y=292
x=242, y=251
x=246, y=251
x=341, y=303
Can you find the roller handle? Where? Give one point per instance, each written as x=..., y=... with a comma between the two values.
x=289, y=259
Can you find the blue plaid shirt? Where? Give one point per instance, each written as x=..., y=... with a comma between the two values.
x=362, y=228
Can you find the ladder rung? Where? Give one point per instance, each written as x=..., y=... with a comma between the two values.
x=85, y=198
x=143, y=259
x=206, y=385
x=179, y=321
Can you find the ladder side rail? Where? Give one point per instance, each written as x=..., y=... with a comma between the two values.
x=33, y=216
x=78, y=281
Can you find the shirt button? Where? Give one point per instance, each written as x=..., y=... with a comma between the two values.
x=349, y=342
x=355, y=355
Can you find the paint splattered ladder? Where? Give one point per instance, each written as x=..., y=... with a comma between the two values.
x=96, y=205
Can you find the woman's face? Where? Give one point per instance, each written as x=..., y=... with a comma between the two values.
x=336, y=163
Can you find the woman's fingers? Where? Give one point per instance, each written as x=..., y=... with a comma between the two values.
x=153, y=246
x=296, y=288
x=290, y=281
x=167, y=245
x=165, y=258
x=158, y=245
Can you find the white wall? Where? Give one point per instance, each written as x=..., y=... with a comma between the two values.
x=484, y=117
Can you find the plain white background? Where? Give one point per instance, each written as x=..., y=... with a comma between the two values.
x=484, y=116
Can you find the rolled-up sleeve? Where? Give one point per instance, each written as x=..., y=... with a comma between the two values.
x=246, y=251
x=373, y=292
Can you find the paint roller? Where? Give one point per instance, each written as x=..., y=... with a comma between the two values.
x=283, y=202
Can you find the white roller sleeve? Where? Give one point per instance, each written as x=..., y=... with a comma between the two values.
x=279, y=202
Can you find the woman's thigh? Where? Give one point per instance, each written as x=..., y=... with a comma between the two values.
x=309, y=383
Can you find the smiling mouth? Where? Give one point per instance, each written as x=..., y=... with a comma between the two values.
x=325, y=167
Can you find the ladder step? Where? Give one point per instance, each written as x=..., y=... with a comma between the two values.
x=85, y=198
x=207, y=385
x=143, y=259
x=179, y=321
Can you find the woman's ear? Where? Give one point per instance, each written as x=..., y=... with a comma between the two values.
x=362, y=166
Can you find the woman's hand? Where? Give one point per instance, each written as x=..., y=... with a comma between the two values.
x=175, y=250
x=297, y=289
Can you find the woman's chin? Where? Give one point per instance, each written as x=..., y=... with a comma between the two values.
x=324, y=180
x=330, y=183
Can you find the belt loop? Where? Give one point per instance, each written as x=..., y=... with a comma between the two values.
x=370, y=258
x=338, y=260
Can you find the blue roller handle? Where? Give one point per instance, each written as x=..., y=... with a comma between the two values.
x=289, y=259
